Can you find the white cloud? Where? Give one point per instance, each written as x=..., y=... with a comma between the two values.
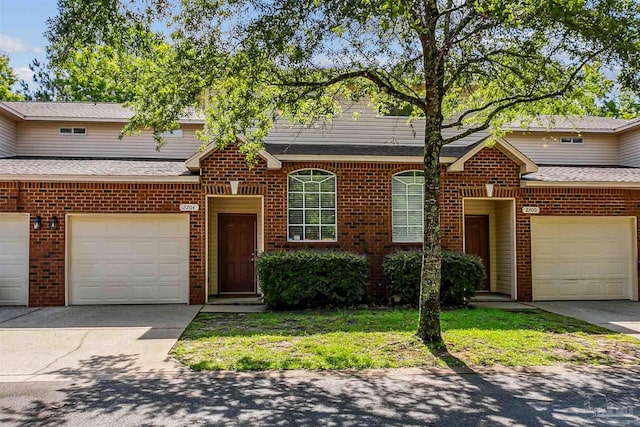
x=14, y=45
x=24, y=73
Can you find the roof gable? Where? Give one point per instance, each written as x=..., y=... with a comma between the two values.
x=193, y=163
x=526, y=164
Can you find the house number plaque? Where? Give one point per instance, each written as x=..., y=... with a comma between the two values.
x=189, y=207
x=530, y=210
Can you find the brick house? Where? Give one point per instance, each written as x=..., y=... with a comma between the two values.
x=87, y=218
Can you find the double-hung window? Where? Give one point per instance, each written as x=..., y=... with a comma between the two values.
x=311, y=206
x=407, y=192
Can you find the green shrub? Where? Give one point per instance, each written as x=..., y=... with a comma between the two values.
x=312, y=278
x=462, y=274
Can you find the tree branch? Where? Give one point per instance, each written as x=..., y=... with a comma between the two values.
x=513, y=101
x=370, y=75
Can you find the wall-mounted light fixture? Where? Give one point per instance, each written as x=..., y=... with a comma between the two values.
x=53, y=223
x=37, y=222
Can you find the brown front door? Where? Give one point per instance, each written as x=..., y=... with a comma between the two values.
x=236, y=253
x=476, y=242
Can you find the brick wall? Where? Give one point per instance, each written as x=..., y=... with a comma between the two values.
x=565, y=202
x=47, y=247
x=363, y=203
x=363, y=208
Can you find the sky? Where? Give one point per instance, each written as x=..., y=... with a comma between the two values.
x=22, y=24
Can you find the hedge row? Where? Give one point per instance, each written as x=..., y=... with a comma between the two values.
x=310, y=278
x=461, y=275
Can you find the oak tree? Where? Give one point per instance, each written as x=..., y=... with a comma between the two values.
x=462, y=65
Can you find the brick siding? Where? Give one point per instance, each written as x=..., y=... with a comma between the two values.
x=363, y=209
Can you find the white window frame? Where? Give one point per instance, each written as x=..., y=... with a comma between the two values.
x=405, y=212
x=73, y=131
x=178, y=133
x=568, y=140
x=304, y=225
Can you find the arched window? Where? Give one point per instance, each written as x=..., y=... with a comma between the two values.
x=311, y=206
x=408, y=206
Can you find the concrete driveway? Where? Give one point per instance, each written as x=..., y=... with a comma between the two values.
x=619, y=316
x=62, y=343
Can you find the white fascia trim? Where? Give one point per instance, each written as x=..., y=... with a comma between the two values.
x=526, y=164
x=90, y=178
x=584, y=184
x=272, y=162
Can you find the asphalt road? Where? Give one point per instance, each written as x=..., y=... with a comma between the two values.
x=596, y=397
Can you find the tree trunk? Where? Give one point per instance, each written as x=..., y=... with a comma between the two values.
x=429, y=319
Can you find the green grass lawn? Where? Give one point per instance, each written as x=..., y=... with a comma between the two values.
x=364, y=339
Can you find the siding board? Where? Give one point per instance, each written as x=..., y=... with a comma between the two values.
x=504, y=247
x=630, y=149
x=546, y=149
x=7, y=137
x=43, y=139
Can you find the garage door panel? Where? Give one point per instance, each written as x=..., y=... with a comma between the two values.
x=144, y=271
x=576, y=258
x=14, y=259
x=137, y=255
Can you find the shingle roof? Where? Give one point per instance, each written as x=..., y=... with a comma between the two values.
x=584, y=174
x=576, y=123
x=92, y=167
x=100, y=111
x=364, y=150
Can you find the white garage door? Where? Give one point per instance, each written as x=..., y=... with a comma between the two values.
x=14, y=259
x=582, y=258
x=128, y=259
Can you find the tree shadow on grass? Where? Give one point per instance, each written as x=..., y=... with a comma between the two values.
x=324, y=398
x=300, y=323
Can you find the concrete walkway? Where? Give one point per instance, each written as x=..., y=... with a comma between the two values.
x=98, y=341
x=619, y=316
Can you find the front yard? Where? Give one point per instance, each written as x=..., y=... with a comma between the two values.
x=362, y=339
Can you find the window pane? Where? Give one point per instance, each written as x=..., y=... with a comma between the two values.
x=295, y=233
x=295, y=200
x=296, y=217
x=415, y=218
x=295, y=185
x=328, y=216
x=328, y=233
x=312, y=187
x=415, y=202
x=312, y=233
x=415, y=189
x=328, y=200
x=414, y=234
x=312, y=217
x=399, y=202
x=399, y=219
x=400, y=234
x=398, y=187
x=311, y=200
x=328, y=186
